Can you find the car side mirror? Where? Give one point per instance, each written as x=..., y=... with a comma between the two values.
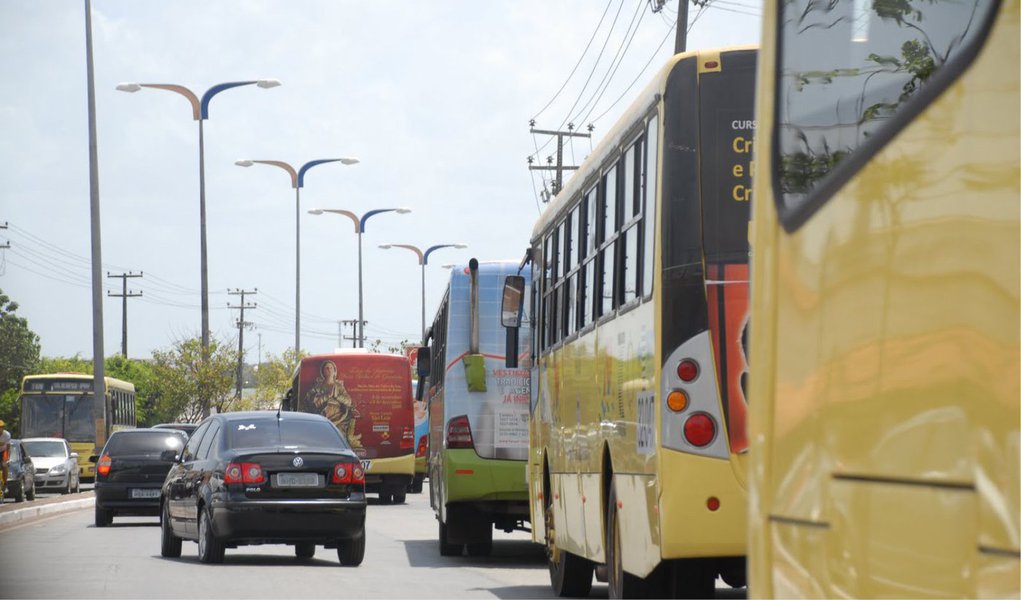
x=170, y=456
x=93, y=458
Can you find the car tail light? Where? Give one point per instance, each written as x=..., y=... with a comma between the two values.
x=687, y=370
x=423, y=446
x=348, y=473
x=243, y=473
x=459, y=433
x=408, y=438
x=103, y=466
x=699, y=430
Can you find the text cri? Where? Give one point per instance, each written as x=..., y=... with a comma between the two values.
x=742, y=146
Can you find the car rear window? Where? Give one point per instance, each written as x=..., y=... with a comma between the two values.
x=294, y=434
x=144, y=444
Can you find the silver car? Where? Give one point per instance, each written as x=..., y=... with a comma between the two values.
x=56, y=466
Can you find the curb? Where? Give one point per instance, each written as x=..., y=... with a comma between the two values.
x=31, y=513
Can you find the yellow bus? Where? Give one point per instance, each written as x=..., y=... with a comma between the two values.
x=884, y=421
x=640, y=287
x=63, y=405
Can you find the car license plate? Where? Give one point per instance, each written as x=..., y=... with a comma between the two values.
x=297, y=480
x=145, y=493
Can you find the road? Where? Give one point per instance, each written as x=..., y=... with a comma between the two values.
x=66, y=556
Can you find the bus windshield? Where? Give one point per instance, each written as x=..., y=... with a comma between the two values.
x=68, y=416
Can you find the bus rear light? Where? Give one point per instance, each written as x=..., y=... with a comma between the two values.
x=711, y=64
x=677, y=401
x=103, y=466
x=699, y=430
x=423, y=446
x=408, y=438
x=459, y=433
x=243, y=473
x=687, y=370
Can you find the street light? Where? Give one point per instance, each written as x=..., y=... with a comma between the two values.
x=200, y=112
x=297, y=182
x=359, y=223
x=423, y=260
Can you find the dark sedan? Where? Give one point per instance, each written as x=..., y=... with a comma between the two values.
x=266, y=478
x=130, y=471
x=20, y=474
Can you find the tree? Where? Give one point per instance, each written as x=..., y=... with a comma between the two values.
x=273, y=378
x=19, y=356
x=188, y=387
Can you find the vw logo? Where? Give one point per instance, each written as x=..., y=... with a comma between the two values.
x=298, y=461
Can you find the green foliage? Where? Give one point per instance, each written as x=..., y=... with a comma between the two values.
x=273, y=378
x=377, y=347
x=188, y=387
x=19, y=344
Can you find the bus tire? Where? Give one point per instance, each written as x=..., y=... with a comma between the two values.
x=570, y=575
x=446, y=548
x=484, y=545
x=620, y=583
x=304, y=550
x=399, y=497
x=416, y=484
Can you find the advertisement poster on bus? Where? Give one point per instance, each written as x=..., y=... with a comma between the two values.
x=728, y=322
x=367, y=396
x=498, y=415
x=421, y=407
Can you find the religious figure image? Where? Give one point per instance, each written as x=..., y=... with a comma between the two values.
x=330, y=398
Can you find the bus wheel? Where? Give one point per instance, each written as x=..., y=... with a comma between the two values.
x=570, y=575
x=621, y=584
x=398, y=497
x=484, y=546
x=446, y=548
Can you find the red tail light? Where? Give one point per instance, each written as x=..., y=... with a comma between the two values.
x=687, y=370
x=347, y=473
x=408, y=438
x=699, y=430
x=103, y=466
x=459, y=433
x=243, y=473
x=423, y=446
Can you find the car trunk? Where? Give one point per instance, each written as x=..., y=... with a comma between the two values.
x=288, y=474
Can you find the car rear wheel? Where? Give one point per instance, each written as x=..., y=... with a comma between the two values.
x=351, y=552
x=103, y=517
x=211, y=549
x=30, y=492
x=305, y=550
x=170, y=544
x=19, y=493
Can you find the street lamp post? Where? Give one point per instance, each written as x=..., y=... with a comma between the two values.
x=297, y=182
x=423, y=260
x=200, y=112
x=359, y=223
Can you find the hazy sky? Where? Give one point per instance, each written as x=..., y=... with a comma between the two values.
x=434, y=97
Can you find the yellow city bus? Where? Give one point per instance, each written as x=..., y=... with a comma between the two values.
x=884, y=413
x=63, y=405
x=640, y=287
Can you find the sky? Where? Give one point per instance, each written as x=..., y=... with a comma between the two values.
x=433, y=97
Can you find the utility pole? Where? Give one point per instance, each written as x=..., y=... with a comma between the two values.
x=124, y=295
x=7, y=244
x=354, y=332
x=560, y=167
x=241, y=332
x=681, y=37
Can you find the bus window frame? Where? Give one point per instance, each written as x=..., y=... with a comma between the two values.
x=792, y=219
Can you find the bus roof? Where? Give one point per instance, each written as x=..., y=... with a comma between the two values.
x=111, y=382
x=644, y=101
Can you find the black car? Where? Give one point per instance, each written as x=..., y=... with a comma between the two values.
x=130, y=471
x=266, y=477
x=188, y=428
x=20, y=474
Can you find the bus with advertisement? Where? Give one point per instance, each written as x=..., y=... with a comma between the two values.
x=368, y=397
x=421, y=425
x=477, y=411
x=63, y=405
x=886, y=389
x=639, y=286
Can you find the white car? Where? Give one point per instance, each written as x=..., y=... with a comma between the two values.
x=56, y=466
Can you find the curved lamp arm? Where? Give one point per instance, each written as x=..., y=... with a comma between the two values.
x=346, y=213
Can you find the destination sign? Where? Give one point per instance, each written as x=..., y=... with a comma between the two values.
x=57, y=385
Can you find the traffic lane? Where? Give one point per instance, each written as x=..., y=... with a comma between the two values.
x=67, y=557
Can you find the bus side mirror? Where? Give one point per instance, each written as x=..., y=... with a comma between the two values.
x=510, y=315
x=93, y=458
x=424, y=360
